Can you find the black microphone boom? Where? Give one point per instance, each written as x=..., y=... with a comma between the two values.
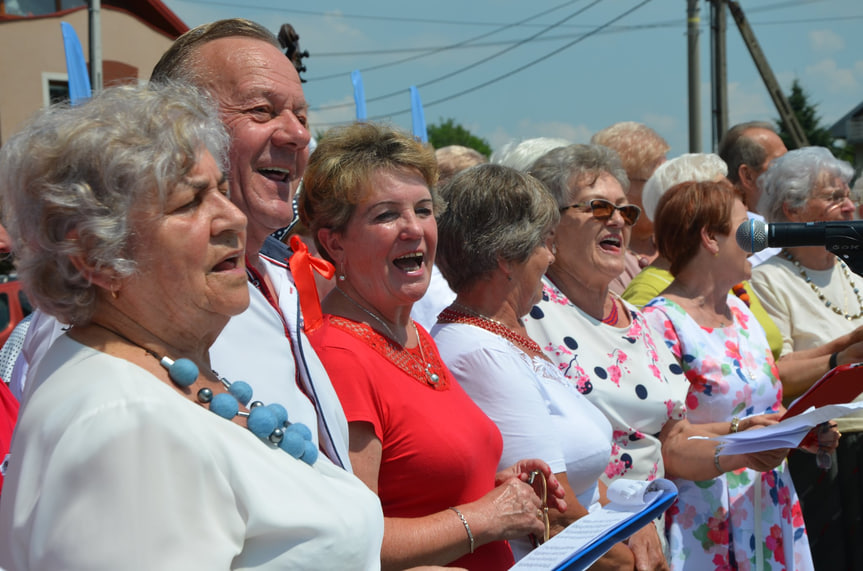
x=841, y=237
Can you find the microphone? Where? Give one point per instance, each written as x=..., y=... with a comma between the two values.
x=841, y=237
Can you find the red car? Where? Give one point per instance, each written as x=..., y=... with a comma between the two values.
x=14, y=306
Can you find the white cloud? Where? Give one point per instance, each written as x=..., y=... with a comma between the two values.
x=660, y=123
x=528, y=129
x=834, y=78
x=826, y=41
x=749, y=103
x=323, y=120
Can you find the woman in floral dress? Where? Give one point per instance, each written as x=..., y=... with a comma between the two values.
x=742, y=518
x=602, y=344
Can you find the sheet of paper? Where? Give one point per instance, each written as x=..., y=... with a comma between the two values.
x=785, y=434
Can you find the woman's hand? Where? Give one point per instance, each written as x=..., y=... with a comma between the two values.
x=764, y=460
x=647, y=549
x=823, y=438
x=522, y=470
x=510, y=510
x=758, y=421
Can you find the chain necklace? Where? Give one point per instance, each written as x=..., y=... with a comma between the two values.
x=821, y=295
x=471, y=317
x=427, y=366
x=369, y=313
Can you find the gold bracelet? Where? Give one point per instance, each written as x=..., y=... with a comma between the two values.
x=716, y=452
x=735, y=425
x=466, y=527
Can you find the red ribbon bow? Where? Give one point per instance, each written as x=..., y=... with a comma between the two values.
x=303, y=265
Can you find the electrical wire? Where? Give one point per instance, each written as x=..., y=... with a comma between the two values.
x=510, y=73
x=462, y=69
x=434, y=51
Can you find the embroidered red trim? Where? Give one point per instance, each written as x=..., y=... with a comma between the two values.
x=408, y=360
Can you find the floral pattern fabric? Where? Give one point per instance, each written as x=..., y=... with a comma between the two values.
x=627, y=373
x=743, y=519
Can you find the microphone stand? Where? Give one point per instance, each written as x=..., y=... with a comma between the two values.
x=847, y=243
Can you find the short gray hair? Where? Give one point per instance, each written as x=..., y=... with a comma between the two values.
x=791, y=178
x=71, y=178
x=737, y=149
x=493, y=213
x=521, y=155
x=579, y=165
x=691, y=167
x=180, y=62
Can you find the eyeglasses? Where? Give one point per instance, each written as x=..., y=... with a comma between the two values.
x=835, y=196
x=603, y=210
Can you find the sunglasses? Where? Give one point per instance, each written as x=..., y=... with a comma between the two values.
x=603, y=210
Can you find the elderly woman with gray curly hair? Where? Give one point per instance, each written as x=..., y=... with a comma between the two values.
x=815, y=301
x=130, y=452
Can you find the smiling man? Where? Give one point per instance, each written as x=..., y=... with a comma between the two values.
x=260, y=98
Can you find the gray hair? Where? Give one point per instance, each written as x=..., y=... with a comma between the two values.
x=566, y=169
x=181, y=63
x=71, y=178
x=521, y=155
x=493, y=213
x=791, y=178
x=690, y=167
x=737, y=149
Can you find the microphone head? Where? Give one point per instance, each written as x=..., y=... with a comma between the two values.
x=752, y=235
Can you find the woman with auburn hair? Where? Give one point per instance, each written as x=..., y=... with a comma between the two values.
x=743, y=516
x=416, y=438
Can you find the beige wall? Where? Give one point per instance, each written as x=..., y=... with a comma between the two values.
x=31, y=48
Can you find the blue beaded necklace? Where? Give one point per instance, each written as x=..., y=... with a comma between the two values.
x=267, y=422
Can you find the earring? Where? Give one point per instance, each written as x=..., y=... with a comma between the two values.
x=115, y=294
x=554, y=249
x=341, y=276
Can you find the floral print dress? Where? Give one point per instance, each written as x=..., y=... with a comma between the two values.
x=627, y=373
x=743, y=519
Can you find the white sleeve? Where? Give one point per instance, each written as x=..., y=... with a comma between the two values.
x=509, y=393
x=171, y=508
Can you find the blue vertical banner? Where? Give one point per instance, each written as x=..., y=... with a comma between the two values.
x=76, y=67
x=359, y=94
x=418, y=116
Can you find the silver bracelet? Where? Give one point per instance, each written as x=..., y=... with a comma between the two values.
x=716, y=452
x=466, y=528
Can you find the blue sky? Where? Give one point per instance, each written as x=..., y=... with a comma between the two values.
x=627, y=60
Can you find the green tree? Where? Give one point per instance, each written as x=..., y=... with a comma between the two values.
x=810, y=122
x=448, y=132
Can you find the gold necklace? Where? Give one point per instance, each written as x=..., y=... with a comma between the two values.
x=432, y=376
x=829, y=304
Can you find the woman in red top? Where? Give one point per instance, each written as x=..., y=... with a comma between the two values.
x=416, y=438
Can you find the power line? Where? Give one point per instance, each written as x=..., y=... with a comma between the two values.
x=615, y=29
x=434, y=51
x=465, y=68
x=512, y=72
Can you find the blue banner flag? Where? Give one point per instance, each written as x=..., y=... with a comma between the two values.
x=359, y=94
x=418, y=116
x=76, y=67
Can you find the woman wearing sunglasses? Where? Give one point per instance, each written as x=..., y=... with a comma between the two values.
x=602, y=343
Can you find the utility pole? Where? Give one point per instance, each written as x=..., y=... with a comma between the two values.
x=94, y=12
x=718, y=70
x=782, y=106
x=693, y=21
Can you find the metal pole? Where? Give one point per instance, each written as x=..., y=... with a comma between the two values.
x=693, y=20
x=719, y=71
x=94, y=12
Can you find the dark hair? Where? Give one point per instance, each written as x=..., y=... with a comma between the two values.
x=736, y=148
